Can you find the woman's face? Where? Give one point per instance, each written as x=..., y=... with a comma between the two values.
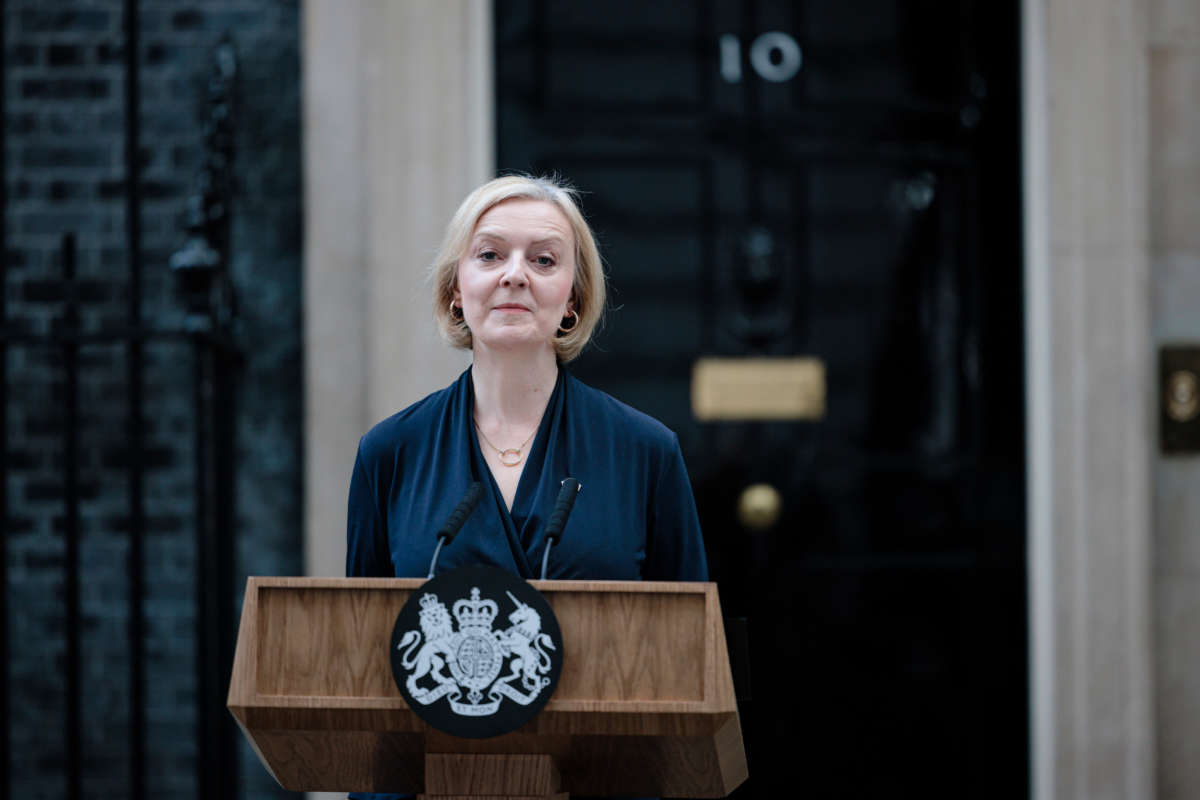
x=514, y=281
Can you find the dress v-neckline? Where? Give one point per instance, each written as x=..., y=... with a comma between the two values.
x=537, y=449
x=496, y=484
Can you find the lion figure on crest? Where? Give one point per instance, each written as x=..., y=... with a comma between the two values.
x=431, y=658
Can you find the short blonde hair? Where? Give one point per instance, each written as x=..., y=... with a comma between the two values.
x=588, y=291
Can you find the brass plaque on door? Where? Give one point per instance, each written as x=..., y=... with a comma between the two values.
x=758, y=389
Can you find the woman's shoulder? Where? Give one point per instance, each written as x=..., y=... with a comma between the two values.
x=408, y=426
x=599, y=408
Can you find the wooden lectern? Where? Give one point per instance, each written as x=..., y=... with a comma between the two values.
x=645, y=704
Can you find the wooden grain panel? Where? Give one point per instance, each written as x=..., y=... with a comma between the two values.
x=331, y=642
x=731, y=753
x=623, y=646
x=344, y=761
x=518, y=742
x=474, y=774
x=645, y=766
x=718, y=672
x=243, y=683
x=327, y=642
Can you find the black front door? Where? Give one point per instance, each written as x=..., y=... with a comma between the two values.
x=837, y=181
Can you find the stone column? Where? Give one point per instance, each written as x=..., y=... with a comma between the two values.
x=1090, y=409
x=398, y=110
x=397, y=129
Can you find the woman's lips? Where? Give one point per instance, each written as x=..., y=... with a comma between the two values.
x=511, y=307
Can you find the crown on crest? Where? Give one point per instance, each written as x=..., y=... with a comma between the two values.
x=475, y=613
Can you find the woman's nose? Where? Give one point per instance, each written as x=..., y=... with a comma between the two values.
x=514, y=271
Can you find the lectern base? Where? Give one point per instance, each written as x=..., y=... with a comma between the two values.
x=484, y=776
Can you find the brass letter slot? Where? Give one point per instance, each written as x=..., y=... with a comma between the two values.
x=758, y=389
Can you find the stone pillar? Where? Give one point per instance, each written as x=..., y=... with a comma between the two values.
x=397, y=128
x=1174, y=54
x=1090, y=408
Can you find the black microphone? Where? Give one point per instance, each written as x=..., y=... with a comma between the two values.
x=558, y=517
x=456, y=519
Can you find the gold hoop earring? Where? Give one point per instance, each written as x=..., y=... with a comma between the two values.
x=570, y=313
x=454, y=308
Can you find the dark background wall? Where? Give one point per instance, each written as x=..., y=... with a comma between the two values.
x=65, y=130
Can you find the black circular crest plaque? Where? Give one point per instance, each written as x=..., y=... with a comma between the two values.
x=476, y=652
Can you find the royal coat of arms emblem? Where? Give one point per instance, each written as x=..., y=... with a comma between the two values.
x=458, y=655
x=475, y=655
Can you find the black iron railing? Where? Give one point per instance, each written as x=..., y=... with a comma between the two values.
x=202, y=281
x=5, y=740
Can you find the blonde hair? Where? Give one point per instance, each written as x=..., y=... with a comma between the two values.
x=588, y=291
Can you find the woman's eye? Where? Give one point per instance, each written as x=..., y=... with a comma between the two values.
x=489, y=255
x=544, y=261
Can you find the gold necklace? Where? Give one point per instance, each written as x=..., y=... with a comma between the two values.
x=511, y=456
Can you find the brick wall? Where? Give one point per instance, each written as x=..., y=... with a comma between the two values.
x=64, y=133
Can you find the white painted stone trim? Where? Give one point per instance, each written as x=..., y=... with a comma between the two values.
x=1089, y=399
x=398, y=128
x=1038, y=405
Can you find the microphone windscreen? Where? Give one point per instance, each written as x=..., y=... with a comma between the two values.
x=460, y=513
x=562, y=509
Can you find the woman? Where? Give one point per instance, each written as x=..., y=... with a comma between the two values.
x=518, y=280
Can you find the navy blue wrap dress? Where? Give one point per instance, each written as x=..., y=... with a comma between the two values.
x=635, y=517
